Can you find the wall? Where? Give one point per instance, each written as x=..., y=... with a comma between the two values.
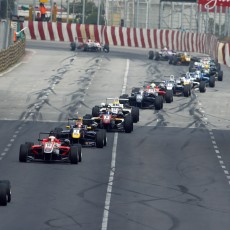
x=130, y=37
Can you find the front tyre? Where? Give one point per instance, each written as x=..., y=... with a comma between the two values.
x=23, y=152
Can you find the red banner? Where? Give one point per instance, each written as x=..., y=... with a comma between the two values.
x=213, y=3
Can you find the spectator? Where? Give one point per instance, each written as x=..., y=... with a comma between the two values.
x=38, y=16
x=43, y=11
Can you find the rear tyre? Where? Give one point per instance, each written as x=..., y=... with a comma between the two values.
x=169, y=96
x=72, y=46
x=3, y=194
x=135, y=114
x=158, y=103
x=74, y=154
x=212, y=81
x=128, y=124
x=100, y=139
x=95, y=111
x=220, y=75
x=202, y=87
x=151, y=55
x=23, y=152
x=187, y=91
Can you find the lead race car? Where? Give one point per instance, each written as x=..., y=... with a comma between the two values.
x=89, y=45
x=5, y=192
x=50, y=149
x=163, y=55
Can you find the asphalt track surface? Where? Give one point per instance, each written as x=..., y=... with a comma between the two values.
x=171, y=173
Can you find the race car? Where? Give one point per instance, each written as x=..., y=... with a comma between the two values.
x=89, y=45
x=152, y=95
x=179, y=86
x=181, y=58
x=119, y=106
x=84, y=131
x=113, y=120
x=208, y=67
x=5, y=192
x=50, y=149
x=162, y=55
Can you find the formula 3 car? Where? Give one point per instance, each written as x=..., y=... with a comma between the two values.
x=119, y=106
x=111, y=121
x=181, y=58
x=151, y=95
x=89, y=45
x=84, y=131
x=179, y=86
x=162, y=55
x=50, y=149
x=5, y=192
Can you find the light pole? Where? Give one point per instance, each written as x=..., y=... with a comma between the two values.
x=83, y=12
x=98, y=12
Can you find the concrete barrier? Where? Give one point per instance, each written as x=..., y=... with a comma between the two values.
x=129, y=37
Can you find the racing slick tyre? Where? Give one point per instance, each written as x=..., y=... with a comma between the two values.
x=106, y=48
x=169, y=96
x=100, y=139
x=212, y=81
x=72, y=46
x=158, y=103
x=3, y=194
x=104, y=136
x=202, y=87
x=79, y=152
x=87, y=119
x=174, y=60
x=124, y=99
x=58, y=132
x=85, y=47
x=128, y=124
x=151, y=55
x=74, y=154
x=220, y=75
x=95, y=111
x=187, y=91
x=170, y=60
x=157, y=56
x=23, y=152
x=8, y=189
x=135, y=112
x=218, y=67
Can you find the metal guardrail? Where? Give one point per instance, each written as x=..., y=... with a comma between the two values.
x=12, y=55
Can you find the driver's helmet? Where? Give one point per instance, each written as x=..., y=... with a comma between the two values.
x=78, y=123
x=51, y=138
x=108, y=110
x=165, y=48
x=153, y=85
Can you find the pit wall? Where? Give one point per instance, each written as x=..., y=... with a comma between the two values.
x=130, y=37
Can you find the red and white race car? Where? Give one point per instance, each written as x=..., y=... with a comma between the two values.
x=89, y=45
x=50, y=149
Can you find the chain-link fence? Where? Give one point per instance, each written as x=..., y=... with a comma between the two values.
x=177, y=15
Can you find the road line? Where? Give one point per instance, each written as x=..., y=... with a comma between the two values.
x=110, y=185
x=125, y=77
x=104, y=225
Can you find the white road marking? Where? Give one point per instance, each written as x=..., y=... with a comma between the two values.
x=125, y=77
x=226, y=172
x=110, y=185
x=105, y=219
